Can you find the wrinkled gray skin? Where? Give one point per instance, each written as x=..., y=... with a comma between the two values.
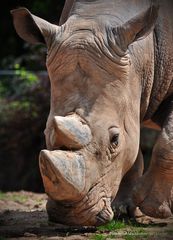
x=111, y=68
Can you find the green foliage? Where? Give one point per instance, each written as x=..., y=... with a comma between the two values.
x=15, y=95
x=10, y=110
x=18, y=84
x=29, y=77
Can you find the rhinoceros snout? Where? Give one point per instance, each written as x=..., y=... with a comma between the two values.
x=69, y=132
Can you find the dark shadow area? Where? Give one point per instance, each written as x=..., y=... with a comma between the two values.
x=13, y=47
x=148, y=139
x=18, y=224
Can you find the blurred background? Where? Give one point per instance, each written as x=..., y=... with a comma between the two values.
x=24, y=100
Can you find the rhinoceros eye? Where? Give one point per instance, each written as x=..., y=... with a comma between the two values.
x=115, y=139
x=114, y=136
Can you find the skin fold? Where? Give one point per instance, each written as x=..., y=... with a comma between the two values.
x=111, y=69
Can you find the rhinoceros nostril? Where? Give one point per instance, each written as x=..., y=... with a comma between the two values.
x=102, y=218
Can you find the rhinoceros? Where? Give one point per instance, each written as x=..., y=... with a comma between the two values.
x=110, y=65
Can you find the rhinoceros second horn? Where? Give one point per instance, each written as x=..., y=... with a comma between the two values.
x=73, y=134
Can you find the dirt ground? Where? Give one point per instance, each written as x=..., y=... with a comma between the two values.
x=23, y=216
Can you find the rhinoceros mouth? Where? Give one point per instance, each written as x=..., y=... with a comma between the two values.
x=94, y=209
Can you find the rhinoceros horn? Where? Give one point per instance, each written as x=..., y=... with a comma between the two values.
x=63, y=174
x=70, y=132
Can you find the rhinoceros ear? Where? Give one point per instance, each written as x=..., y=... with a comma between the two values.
x=32, y=28
x=138, y=27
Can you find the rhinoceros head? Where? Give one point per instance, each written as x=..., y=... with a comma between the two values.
x=92, y=132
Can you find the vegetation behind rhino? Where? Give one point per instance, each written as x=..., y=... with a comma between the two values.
x=111, y=69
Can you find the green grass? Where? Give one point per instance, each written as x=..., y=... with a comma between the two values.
x=169, y=232
x=2, y=197
x=113, y=225
x=129, y=237
x=98, y=237
x=134, y=233
x=19, y=198
x=116, y=228
x=13, y=197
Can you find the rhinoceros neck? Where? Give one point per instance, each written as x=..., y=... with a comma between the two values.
x=162, y=86
x=121, y=10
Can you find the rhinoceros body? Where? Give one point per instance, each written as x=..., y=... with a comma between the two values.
x=111, y=69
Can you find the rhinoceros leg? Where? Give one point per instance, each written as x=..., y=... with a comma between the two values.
x=154, y=192
x=123, y=203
